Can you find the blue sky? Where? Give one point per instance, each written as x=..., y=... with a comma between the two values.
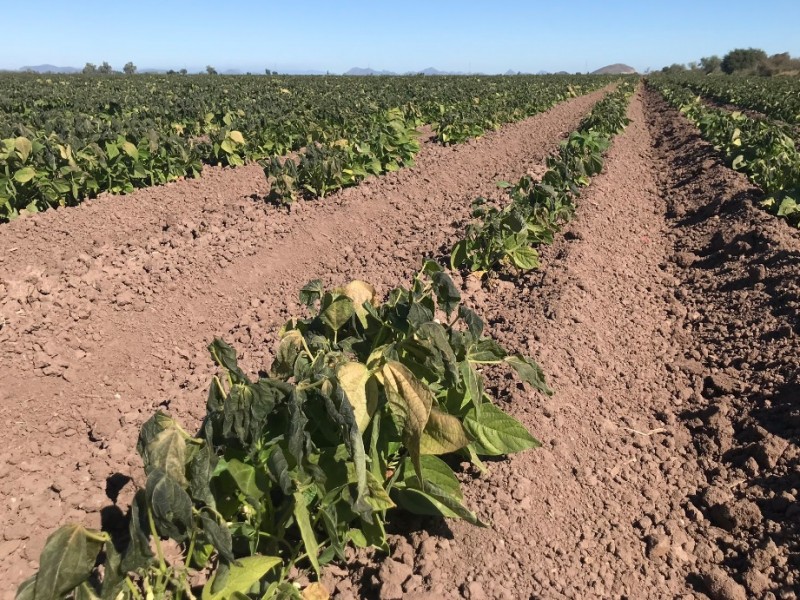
x=489, y=36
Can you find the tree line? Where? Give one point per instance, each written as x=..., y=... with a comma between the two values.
x=741, y=61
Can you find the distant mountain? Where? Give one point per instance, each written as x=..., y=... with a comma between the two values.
x=303, y=72
x=50, y=69
x=543, y=73
x=433, y=71
x=615, y=69
x=362, y=71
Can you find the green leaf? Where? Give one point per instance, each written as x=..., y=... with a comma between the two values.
x=171, y=506
x=306, y=530
x=239, y=578
x=486, y=351
x=25, y=174
x=438, y=494
x=458, y=255
x=443, y=434
x=26, y=589
x=524, y=257
x=338, y=312
x=245, y=476
x=67, y=560
x=497, y=433
x=473, y=382
x=529, y=372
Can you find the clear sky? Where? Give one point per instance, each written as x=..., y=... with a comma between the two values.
x=488, y=35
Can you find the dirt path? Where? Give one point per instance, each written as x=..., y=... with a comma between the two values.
x=110, y=318
x=573, y=519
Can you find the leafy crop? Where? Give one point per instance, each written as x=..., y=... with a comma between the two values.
x=503, y=238
x=359, y=404
x=67, y=138
x=775, y=97
x=762, y=149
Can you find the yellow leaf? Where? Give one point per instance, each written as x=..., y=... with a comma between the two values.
x=443, y=434
x=316, y=591
x=359, y=292
x=362, y=391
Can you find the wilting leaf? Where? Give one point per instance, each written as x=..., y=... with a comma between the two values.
x=311, y=292
x=138, y=554
x=239, y=577
x=447, y=295
x=290, y=348
x=361, y=390
x=497, y=433
x=225, y=356
x=360, y=292
x=443, y=434
x=473, y=321
x=201, y=469
x=410, y=401
x=218, y=536
x=168, y=452
x=486, y=351
x=170, y=504
x=67, y=560
x=529, y=372
x=316, y=591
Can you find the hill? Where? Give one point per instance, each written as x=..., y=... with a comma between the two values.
x=50, y=69
x=615, y=69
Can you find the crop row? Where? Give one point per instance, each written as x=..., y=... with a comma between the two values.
x=63, y=139
x=506, y=238
x=286, y=472
x=775, y=97
x=762, y=149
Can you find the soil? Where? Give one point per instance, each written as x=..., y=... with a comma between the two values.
x=665, y=318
